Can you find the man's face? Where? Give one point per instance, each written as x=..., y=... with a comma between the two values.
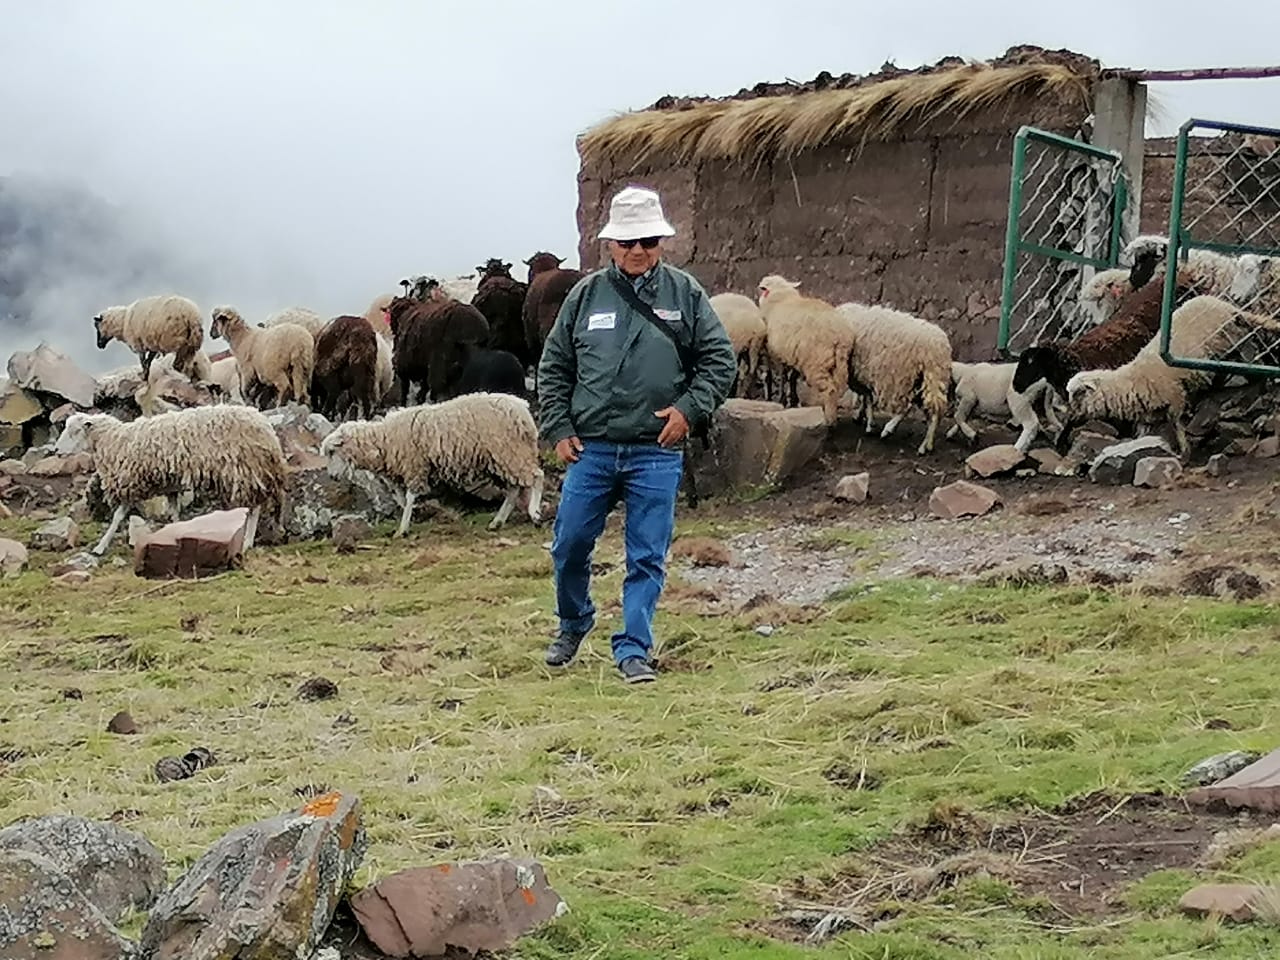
x=635, y=257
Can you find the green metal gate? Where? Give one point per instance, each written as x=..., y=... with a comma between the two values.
x=1066, y=208
x=1226, y=200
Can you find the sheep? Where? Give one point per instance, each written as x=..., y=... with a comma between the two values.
x=898, y=360
x=549, y=285
x=501, y=299
x=280, y=357
x=376, y=313
x=426, y=339
x=225, y=373
x=346, y=364
x=744, y=323
x=384, y=371
x=153, y=326
x=1102, y=295
x=476, y=438
x=423, y=287
x=987, y=388
x=807, y=338
x=1205, y=271
x=228, y=453
x=1146, y=387
x=311, y=321
x=489, y=371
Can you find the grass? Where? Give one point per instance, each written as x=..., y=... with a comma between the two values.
x=686, y=810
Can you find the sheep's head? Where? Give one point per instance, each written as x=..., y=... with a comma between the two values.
x=103, y=339
x=541, y=262
x=395, y=311
x=494, y=267
x=76, y=436
x=775, y=286
x=106, y=325
x=225, y=320
x=1035, y=364
x=336, y=448
x=1147, y=243
x=1144, y=266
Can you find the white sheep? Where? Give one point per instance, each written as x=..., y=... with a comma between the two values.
x=376, y=313
x=152, y=327
x=1104, y=291
x=1208, y=272
x=805, y=337
x=987, y=389
x=744, y=323
x=226, y=374
x=384, y=368
x=228, y=453
x=281, y=357
x=308, y=319
x=474, y=439
x=425, y=286
x=1146, y=388
x=898, y=361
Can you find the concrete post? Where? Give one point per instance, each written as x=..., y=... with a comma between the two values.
x=1119, y=123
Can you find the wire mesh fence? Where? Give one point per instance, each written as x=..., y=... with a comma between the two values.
x=1224, y=237
x=1066, y=212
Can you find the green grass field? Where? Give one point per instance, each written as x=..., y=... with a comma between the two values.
x=682, y=819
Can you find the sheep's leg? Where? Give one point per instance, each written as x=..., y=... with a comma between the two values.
x=926, y=445
x=251, y=527
x=1180, y=434
x=963, y=409
x=535, y=500
x=117, y=518
x=795, y=388
x=871, y=420
x=504, y=511
x=891, y=426
x=146, y=357
x=406, y=514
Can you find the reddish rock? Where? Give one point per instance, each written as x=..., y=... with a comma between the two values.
x=1047, y=460
x=265, y=890
x=853, y=488
x=994, y=461
x=1256, y=787
x=62, y=466
x=208, y=544
x=13, y=468
x=1233, y=901
x=464, y=906
x=962, y=499
x=48, y=371
x=123, y=724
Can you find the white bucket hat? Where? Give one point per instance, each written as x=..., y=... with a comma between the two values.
x=634, y=214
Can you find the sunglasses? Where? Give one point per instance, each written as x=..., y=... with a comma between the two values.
x=647, y=243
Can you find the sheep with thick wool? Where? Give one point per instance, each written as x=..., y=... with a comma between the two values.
x=152, y=327
x=304, y=317
x=1146, y=388
x=225, y=452
x=474, y=439
x=805, y=337
x=225, y=373
x=1204, y=271
x=345, y=374
x=280, y=357
x=898, y=361
x=1104, y=291
x=987, y=389
x=744, y=323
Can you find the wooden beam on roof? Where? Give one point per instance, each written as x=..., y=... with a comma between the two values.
x=1207, y=73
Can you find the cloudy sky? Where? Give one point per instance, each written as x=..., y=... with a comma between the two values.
x=314, y=153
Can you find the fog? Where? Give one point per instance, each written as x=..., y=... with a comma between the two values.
x=264, y=155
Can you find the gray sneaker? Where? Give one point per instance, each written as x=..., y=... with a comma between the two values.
x=563, y=649
x=637, y=670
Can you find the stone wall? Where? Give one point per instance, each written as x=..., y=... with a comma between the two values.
x=916, y=222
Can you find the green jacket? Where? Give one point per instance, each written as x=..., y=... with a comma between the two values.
x=605, y=369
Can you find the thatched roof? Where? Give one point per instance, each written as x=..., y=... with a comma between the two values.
x=761, y=122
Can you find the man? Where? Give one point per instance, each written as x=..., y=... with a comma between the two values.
x=618, y=397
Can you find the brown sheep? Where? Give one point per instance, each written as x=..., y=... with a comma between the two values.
x=427, y=340
x=345, y=368
x=549, y=284
x=501, y=299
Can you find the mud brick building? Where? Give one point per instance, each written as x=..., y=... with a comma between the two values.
x=891, y=188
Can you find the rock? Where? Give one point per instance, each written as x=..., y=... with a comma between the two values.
x=349, y=530
x=13, y=468
x=1218, y=465
x=1100, y=428
x=1238, y=446
x=76, y=563
x=1116, y=464
x=193, y=548
x=73, y=578
x=1084, y=448
x=11, y=440
x=62, y=466
x=300, y=432
x=1205, y=420
x=56, y=535
x=44, y=916
x=139, y=530
x=1046, y=459
x=318, y=688
x=180, y=768
x=265, y=890
x=13, y=558
x=473, y=907
x=961, y=499
x=1266, y=448
x=46, y=370
x=1232, y=901
x=122, y=723
x=756, y=444
x=17, y=406
x=853, y=488
x=1218, y=768
x=994, y=461
x=313, y=500
x=60, y=414
x=115, y=869
x=1156, y=471
x=1256, y=787
x=176, y=390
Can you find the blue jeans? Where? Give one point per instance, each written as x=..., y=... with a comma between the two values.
x=646, y=478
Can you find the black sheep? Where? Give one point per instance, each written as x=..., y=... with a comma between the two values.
x=501, y=299
x=428, y=339
x=489, y=371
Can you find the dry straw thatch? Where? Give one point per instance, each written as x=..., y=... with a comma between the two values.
x=755, y=129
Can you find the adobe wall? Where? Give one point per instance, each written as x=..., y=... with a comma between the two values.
x=916, y=223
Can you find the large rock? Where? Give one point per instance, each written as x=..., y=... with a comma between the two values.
x=1156, y=471
x=1218, y=767
x=48, y=371
x=45, y=916
x=471, y=907
x=962, y=499
x=1117, y=463
x=853, y=488
x=994, y=461
x=13, y=558
x=1047, y=460
x=56, y=536
x=314, y=500
x=265, y=890
x=1085, y=447
x=350, y=530
x=62, y=466
x=1256, y=787
x=116, y=870
x=201, y=546
x=1231, y=901
x=300, y=432
x=755, y=443
x=17, y=406
x=11, y=440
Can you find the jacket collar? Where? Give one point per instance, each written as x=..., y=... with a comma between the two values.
x=646, y=281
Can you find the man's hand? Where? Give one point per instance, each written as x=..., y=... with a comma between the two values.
x=677, y=427
x=568, y=449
